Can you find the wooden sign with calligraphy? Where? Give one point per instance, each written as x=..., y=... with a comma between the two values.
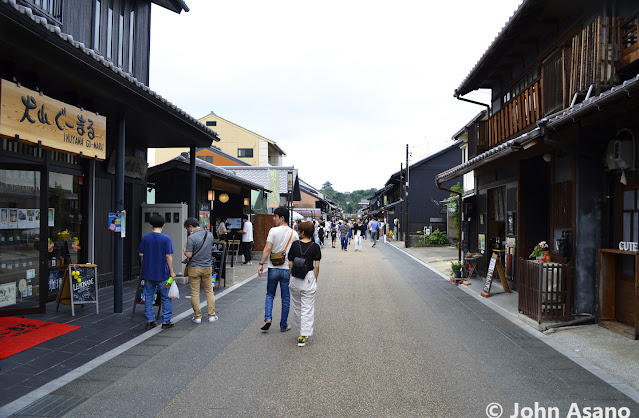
x=59, y=126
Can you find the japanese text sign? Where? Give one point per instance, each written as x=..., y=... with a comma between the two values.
x=59, y=126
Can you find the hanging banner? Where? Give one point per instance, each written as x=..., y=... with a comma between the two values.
x=34, y=118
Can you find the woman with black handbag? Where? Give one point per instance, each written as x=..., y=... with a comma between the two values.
x=304, y=261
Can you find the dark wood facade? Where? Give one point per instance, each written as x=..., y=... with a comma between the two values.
x=563, y=79
x=46, y=55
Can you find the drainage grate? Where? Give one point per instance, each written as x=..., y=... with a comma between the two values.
x=51, y=406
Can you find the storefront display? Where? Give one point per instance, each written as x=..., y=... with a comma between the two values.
x=19, y=234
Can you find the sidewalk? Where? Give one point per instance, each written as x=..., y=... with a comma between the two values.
x=32, y=368
x=611, y=352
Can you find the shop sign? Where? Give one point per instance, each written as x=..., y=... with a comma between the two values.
x=629, y=246
x=57, y=125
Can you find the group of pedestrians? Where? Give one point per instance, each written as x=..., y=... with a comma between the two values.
x=156, y=250
x=347, y=232
x=293, y=261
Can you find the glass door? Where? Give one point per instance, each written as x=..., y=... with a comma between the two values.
x=65, y=227
x=19, y=239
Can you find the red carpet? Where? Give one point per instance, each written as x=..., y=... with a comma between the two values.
x=19, y=334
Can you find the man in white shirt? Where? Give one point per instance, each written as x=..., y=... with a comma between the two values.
x=247, y=240
x=278, y=244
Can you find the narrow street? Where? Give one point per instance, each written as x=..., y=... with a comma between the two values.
x=391, y=339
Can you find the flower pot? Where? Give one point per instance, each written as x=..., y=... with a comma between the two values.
x=457, y=274
x=539, y=257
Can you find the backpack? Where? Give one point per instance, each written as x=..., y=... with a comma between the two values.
x=300, y=268
x=320, y=232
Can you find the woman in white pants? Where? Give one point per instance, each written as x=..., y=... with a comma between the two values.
x=303, y=282
x=358, y=231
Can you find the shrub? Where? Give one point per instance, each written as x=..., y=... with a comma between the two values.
x=437, y=238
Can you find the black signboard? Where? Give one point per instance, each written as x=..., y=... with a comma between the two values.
x=495, y=263
x=219, y=251
x=79, y=286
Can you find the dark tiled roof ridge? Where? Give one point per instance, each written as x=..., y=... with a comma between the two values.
x=26, y=11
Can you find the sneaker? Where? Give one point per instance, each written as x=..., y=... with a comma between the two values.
x=213, y=318
x=169, y=325
x=301, y=341
x=266, y=326
x=151, y=325
x=196, y=320
x=288, y=328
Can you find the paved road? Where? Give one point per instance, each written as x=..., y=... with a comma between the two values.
x=392, y=339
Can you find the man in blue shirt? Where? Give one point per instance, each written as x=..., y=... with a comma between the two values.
x=156, y=251
x=374, y=227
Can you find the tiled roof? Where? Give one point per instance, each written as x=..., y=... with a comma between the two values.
x=260, y=175
x=492, y=153
x=144, y=89
x=497, y=39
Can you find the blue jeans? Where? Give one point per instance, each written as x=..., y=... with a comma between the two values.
x=167, y=305
x=282, y=277
x=344, y=242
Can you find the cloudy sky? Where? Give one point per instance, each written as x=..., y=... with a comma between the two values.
x=341, y=86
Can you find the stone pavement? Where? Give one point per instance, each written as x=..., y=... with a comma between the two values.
x=30, y=369
x=612, y=352
x=387, y=346
x=391, y=339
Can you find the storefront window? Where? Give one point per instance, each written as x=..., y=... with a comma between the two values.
x=64, y=221
x=19, y=234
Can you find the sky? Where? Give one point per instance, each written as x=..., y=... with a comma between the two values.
x=340, y=86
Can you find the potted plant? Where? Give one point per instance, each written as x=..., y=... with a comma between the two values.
x=540, y=250
x=456, y=268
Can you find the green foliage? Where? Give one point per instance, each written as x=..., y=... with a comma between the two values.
x=455, y=265
x=437, y=238
x=347, y=201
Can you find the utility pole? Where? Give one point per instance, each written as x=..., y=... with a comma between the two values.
x=406, y=185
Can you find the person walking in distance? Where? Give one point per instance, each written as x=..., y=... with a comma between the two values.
x=304, y=281
x=200, y=259
x=344, y=231
x=246, y=245
x=358, y=231
x=278, y=243
x=374, y=227
x=156, y=251
x=333, y=235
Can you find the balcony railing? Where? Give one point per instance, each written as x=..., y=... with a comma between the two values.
x=629, y=42
x=544, y=290
x=516, y=115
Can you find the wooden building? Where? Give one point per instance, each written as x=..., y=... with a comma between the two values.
x=555, y=160
x=76, y=121
x=423, y=202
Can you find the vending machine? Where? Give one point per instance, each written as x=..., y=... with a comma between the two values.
x=174, y=216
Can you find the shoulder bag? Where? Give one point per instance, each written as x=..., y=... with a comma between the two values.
x=277, y=259
x=187, y=260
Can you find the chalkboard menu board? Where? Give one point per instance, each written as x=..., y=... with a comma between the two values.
x=79, y=286
x=218, y=252
x=494, y=264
